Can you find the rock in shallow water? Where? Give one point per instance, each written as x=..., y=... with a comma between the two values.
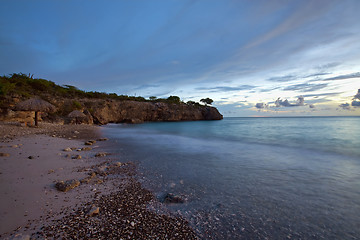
x=171, y=198
x=67, y=185
x=4, y=154
x=101, y=154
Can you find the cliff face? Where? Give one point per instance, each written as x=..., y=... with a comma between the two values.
x=101, y=111
x=136, y=112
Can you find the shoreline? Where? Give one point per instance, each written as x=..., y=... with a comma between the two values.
x=33, y=208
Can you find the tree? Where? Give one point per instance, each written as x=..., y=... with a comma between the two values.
x=207, y=101
x=174, y=99
x=152, y=98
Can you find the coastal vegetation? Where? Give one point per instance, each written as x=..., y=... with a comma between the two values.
x=25, y=86
x=99, y=107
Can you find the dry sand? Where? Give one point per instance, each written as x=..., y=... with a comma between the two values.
x=30, y=205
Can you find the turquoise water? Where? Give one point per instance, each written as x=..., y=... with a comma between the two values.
x=253, y=178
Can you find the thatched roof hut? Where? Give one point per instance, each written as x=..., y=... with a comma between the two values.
x=76, y=114
x=36, y=105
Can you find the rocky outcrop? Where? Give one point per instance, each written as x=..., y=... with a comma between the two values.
x=103, y=111
x=136, y=112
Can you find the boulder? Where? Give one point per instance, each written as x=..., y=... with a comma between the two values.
x=67, y=185
x=171, y=198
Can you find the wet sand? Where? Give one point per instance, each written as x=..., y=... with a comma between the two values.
x=31, y=206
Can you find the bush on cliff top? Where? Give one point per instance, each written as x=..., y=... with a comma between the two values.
x=25, y=86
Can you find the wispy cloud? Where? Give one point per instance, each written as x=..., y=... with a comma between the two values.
x=286, y=78
x=322, y=94
x=306, y=87
x=226, y=88
x=345, y=106
x=345, y=76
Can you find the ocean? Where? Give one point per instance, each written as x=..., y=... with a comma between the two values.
x=252, y=178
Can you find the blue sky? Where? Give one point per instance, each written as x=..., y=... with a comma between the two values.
x=254, y=58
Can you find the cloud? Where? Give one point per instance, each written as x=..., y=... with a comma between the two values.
x=269, y=89
x=260, y=105
x=286, y=78
x=345, y=76
x=328, y=66
x=285, y=103
x=322, y=94
x=345, y=106
x=355, y=103
x=316, y=75
x=306, y=87
x=357, y=96
x=226, y=89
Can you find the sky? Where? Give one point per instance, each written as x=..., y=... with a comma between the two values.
x=253, y=58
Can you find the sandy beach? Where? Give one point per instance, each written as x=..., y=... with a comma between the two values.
x=108, y=203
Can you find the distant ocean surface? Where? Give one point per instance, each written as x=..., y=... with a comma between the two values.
x=253, y=178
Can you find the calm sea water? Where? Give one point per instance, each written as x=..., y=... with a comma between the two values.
x=253, y=178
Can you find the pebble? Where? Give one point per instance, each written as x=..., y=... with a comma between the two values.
x=67, y=149
x=101, y=154
x=93, y=211
x=102, y=139
x=76, y=157
x=4, y=154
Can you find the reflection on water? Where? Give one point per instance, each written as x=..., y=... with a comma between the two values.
x=256, y=179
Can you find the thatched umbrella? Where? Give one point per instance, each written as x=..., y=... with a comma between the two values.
x=37, y=105
x=76, y=114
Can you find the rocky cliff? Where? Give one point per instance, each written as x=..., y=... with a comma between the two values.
x=103, y=111
x=134, y=112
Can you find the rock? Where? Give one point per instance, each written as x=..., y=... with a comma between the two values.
x=102, y=139
x=92, y=141
x=76, y=132
x=67, y=155
x=51, y=171
x=101, y=154
x=76, y=157
x=31, y=157
x=86, y=149
x=88, y=143
x=78, y=150
x=67, y=149
x=14, y=146
x=132, y=224
x=88, y=178
x=101, y=170
x=93, y=211
x=67, y=185
x=171, y=198
x=19, y=236
x=118, y=164
x=4, y=154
